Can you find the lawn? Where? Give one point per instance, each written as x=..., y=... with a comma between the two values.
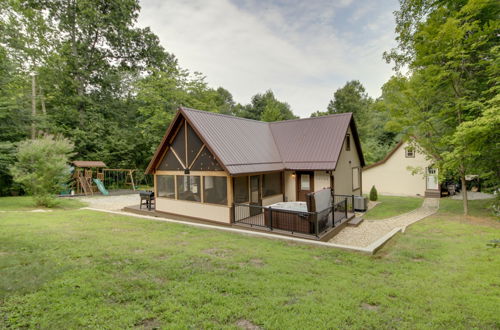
x=26, y=203
x=80, y=268
x=393, y=205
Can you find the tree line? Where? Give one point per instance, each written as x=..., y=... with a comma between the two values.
x=83, y=69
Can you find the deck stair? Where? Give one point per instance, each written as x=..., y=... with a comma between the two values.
x=354, y=222
x=432, y=193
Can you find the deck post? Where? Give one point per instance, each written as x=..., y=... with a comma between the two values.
x=270, y=217
x=317, y=224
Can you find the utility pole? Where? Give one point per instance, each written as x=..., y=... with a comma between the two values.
x=33, y=106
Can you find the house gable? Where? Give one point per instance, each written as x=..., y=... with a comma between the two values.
x=201, y=140
x=185, y=150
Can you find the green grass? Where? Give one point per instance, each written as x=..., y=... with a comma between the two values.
x=477, y=208
x=79, y=268
x=393, y=205
x=26, y=203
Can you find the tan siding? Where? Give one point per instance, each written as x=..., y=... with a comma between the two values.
x=290, y=188
x=394, y=178
x=321, y=180
x=343, y=172
x=220, y=213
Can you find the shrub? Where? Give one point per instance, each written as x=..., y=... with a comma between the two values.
x=42, y=167
x=373, y=194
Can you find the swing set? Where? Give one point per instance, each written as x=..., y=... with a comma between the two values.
x=92, y=177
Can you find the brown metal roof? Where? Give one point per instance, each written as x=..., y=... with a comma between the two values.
x=242, y=145
x=312, y=143
x=249, y=146
x=88, y=163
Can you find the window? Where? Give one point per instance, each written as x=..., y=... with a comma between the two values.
x=348, y=142
x=166, y=186
x=271, y=184
x=215, y=189
x=409, y=152
x=241, y=189
x=355, y=178
x=188, y=188
x=305, y=182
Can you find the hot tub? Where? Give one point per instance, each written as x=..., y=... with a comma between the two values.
x=291, y=216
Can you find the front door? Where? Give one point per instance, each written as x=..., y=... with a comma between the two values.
x=305, y=185
x=255, y=198
x=432, y=180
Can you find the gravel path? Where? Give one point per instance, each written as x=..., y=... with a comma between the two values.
x=111, y=203
x=473, y=195
x=371, y=230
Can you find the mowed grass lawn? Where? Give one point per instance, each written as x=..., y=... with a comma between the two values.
x=79, y=268
x=391, y=206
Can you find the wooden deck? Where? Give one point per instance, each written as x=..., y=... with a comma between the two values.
x=253, y=223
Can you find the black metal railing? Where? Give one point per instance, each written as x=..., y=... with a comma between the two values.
x=309, y=223
x=350, y=201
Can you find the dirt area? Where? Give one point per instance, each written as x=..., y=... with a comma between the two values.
x=111, y=203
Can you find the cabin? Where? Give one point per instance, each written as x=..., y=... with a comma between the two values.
x=209, y=164
x=405, y=171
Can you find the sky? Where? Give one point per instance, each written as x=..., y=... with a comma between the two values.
x=303, y=50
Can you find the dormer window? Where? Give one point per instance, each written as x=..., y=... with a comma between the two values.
x=348, y=142
x=409, y=152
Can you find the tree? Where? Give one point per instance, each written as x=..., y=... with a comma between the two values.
x=370, y=118
x=42, y=167
x=267, y=108
x=450, y=48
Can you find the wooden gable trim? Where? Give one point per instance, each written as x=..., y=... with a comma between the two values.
x=166, y=141
x=160, y=150
x=202, y=138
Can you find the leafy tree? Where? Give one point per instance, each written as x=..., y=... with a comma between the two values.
x=267, y=108
x=370, y=118
x=42, y=167
x=450, y=48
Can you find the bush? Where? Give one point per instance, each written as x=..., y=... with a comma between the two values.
x=373, y=194
x=42, y=167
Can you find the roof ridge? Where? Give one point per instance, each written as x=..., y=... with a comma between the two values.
x=223, y=115
x=312, y=118
x=265, y=122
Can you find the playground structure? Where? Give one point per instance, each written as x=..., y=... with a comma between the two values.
x=92, y=177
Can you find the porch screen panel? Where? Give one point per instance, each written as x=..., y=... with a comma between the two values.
x=194, y=144
x=215, y=190
x=188, y=188
x=271, y=184
x=170, y=162
x=166, y=186
x=206, y=162
x=241, y=189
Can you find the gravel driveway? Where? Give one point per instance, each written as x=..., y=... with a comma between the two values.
x=371, y=230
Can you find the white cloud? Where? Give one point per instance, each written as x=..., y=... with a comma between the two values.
x=298, y=50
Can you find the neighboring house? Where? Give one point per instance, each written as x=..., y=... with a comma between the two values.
x=208, y=161
x=404, y=171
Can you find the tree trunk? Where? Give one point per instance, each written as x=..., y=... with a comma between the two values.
x=33, y=106
x=42, y=101
x=464, y=194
